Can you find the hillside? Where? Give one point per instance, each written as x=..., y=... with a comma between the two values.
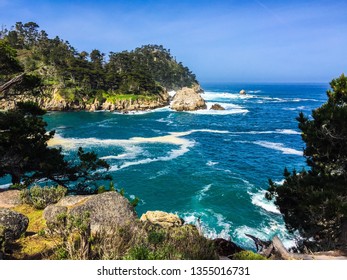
x=73, y=80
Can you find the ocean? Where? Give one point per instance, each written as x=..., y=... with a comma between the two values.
x=206, y=165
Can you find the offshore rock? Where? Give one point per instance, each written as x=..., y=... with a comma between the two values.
x=217, y=107
x=106, y=210
x=187, y=99
x=12, y=223
x=161, y=218
x=242, y=92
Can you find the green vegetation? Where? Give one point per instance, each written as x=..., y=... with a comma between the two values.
x=314, y=202
x=248, y=255
x=40, y=197
x=81, y=76
x=25, y=156
x=140, y=241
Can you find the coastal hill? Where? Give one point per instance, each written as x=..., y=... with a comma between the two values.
x=77, y=80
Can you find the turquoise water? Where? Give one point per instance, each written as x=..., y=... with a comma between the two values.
x=212, y=165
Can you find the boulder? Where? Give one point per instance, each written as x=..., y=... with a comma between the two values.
x=161, y=218
x=187, y=99
x=242, y=92
x=217, y=107
x=107, y=210
x=9, y=198
x=13, y=224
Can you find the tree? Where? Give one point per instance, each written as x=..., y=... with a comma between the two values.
x=13, y=81
x=314, y=202
x=26, y=157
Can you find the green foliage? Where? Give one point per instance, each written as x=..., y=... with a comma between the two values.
x=122, y=192
x=134, y=202
x=2, y=240
x=25, y=156
x=156, y=237
x=247, y=255
x=9, y=63
x=139, y=241
x=74, y=231
x=112, y=187
x=40, y=197
x=141, y=73
x=101, y=189
x=314, y=202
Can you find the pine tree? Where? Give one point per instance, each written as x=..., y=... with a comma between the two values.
x=314, y=202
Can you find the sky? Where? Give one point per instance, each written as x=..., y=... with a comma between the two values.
x=220, y=40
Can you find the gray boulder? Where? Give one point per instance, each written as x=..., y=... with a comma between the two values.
x=13, y=224
x=106, y=210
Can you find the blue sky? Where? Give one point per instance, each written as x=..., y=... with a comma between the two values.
x=230, y=41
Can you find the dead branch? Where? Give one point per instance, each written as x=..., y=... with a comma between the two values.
x=11, y=82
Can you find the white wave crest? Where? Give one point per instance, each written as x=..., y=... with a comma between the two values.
x=277, y=131
x=278, y=147
x=229, y=110
x=259, y=200
x=130, y=145
x=199, y=220
x=131, y=152
x=213, y=96
x=211, y=163
x=184, y=148
x=5, y=186
x=287, y=131
x=203, y=192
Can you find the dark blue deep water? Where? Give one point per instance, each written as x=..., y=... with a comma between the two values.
x=212, y=165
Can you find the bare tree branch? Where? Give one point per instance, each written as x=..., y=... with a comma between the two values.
x=11, y=83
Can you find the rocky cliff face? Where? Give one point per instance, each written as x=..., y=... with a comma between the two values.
x=188, y=99
x=54, y=102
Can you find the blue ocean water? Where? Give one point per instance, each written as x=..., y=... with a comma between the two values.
x=207, y=165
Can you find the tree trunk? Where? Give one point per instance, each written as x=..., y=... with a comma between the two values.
x=11, y=82
x=343, y=234
x=15, y=178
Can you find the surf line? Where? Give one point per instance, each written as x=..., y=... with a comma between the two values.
x=174, y=138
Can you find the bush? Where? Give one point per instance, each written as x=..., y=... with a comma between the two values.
x=247, y=255
x=138, y=241
x=40, y=197
x=2, y=241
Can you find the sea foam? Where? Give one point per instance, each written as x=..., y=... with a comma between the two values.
x=259, y=200
x=278, y=147
x=130, y=145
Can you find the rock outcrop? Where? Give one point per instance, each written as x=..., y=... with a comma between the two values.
x=13, y=224
x=161, y=218
x=9, y=198
x=53, y=101
x=217, y=107
x=242, y=92
x=106, y=210
x=188, y=99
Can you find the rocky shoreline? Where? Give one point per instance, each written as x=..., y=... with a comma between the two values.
x=185, y=99
x=107, y=213
x=30, y=233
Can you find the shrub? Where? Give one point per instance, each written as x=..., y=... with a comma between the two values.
x=2, y=241
x=40, y=197
x=247, y=255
